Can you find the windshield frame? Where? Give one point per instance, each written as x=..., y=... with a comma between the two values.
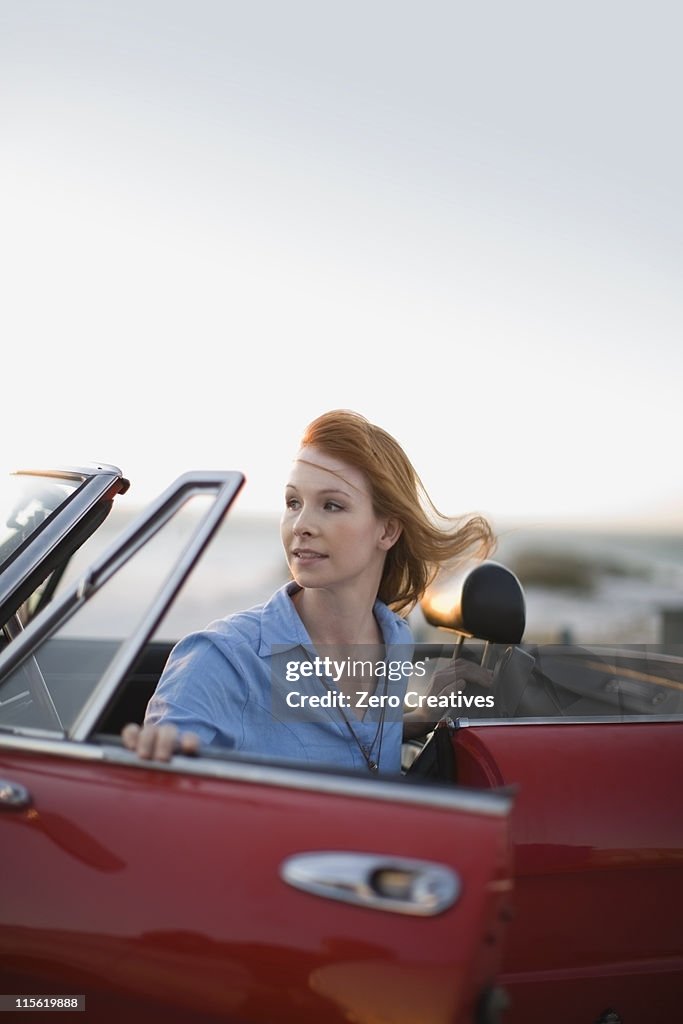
x=62, y=532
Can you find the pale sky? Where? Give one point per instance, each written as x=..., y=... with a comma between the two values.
x=220, y=219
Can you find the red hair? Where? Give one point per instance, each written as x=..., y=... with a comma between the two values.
x=429, y=541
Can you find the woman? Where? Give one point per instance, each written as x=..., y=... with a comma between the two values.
x=312, y=674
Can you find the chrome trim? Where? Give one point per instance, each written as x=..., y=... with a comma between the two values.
x=13, y=627
x=91, y=490
x=40, y=742
x=17, y=696
x=227, y=486
x=487, y=804
x=470, y=723
x=71, y=472
x=149, y=522
x=13, y=796
x=643, y=651
x=351, y=877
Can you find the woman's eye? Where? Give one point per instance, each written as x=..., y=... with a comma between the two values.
x=333, y=506
x=291, y=503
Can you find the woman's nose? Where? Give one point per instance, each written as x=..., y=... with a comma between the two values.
x=303, y=524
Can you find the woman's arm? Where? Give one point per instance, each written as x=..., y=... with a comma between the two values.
x=197, y=701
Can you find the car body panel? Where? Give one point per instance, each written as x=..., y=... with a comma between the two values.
x=597, y=830
x=161, y=888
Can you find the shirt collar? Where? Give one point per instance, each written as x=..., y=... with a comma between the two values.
x=281, y=625
x=280, y=622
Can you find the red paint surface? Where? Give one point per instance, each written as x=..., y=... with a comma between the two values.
x=159, y=892
x=597, y=830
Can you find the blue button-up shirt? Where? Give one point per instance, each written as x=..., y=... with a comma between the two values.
x=228, y=684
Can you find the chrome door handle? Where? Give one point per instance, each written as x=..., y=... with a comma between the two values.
x=396, y=884
x=13, y=796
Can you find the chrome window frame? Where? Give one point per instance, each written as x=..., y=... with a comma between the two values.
x=95, y=485
x=225, y=485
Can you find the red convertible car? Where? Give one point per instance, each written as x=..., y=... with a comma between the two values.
x=526, y=867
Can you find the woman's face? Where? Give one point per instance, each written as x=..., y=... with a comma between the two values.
x=329, y=529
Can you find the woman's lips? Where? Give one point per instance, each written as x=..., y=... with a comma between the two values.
x=308, y=556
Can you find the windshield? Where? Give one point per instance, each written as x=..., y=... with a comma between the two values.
x=27, y=503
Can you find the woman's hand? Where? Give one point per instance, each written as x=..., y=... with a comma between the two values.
x=456, y=674
x=450, y=678
x=158, y=742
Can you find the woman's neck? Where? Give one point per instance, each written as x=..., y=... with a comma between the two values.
x=333, y=618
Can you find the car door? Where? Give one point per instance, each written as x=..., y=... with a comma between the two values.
x=597, y=831
x=223, y=888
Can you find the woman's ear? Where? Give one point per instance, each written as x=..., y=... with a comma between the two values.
x=392, y=531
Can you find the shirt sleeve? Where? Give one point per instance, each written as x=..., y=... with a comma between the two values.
x=200, y=691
